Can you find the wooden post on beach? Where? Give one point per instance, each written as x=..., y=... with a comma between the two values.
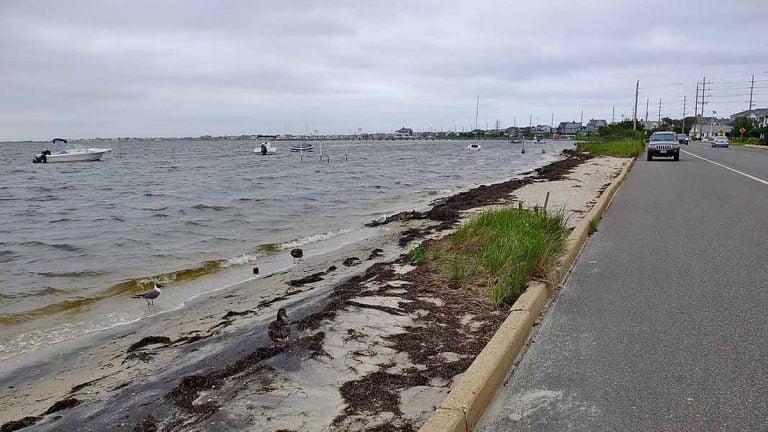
x=519, y=206
x=546, y=200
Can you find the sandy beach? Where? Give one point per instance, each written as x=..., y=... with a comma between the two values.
x=376, y=340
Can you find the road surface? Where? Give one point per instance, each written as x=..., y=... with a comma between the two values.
x=663, y=323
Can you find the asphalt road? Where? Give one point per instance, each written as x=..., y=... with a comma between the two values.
x=663, y=323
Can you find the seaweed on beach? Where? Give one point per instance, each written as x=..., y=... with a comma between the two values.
x=149, y=340
x=15, y=425
x=147, y=424
x=351, y=261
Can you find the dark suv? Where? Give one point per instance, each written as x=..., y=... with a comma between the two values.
x=663, y=144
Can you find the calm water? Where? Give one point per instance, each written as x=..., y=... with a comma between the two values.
x=74, y=236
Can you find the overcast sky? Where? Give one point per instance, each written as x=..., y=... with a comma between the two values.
x=183, y=68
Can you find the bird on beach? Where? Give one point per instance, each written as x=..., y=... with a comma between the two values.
x=381, y=219
x=297, y=254
x=150, y=295
x=279, y=330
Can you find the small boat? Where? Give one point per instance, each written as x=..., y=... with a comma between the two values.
x=72, y=153
x=474, y=147
x=302, y=147
x=266, y=148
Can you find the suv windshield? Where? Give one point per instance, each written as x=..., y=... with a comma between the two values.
x=663, y=137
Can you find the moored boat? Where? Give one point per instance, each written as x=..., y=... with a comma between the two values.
x=72, y=153
x=302, y=147
x=474, y=146
x=265, y=148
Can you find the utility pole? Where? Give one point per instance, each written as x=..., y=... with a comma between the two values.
x=581, y=120
x=751, y=90
x=613, y=114
x=552, y=122
x=659, y=111
x=634, y=115
x=703, y=87
x=695, y=111
x=477, y=109
x=682, y=130
x=647, y=102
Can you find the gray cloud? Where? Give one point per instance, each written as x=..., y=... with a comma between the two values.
x=175, y=68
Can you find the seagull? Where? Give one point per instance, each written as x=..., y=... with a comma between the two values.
x=381, y=219
x=297, y=255
x=150, y=295
x=279, y=330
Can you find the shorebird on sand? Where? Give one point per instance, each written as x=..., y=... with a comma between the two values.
x=297, y=254
x=279, y=330
x=150, y=295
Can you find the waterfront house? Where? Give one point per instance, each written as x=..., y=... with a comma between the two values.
x=757, y=115
x=569, y=128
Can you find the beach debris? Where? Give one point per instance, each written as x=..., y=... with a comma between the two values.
x=150, y=295
x=297, y=254
x=149, y=340
x=376, y=253
x=62, y=405
x=351, y=261
x=279, y=330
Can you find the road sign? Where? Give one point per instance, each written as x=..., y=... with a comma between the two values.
x=742, y=130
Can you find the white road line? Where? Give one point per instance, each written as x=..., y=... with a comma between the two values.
x=728, y=168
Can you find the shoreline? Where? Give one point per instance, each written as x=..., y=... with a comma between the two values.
x=39, y=321
x=211, y=362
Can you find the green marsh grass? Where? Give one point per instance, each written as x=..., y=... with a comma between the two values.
x=627, y=147
x=503, y=249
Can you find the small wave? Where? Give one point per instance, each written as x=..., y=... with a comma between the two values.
x=60, y=220
x=240, y=260
x=123, y=288
x=47, y=291
x=60, y=246
x=72, y=274
x=314, y=238
x=209, y=207
x=7, y=256
x=250, y=199
x=160, y=215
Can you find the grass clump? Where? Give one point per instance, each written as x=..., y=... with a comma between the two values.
x=502, y=249
x=417, y=254
x=593, y=225
x=627, y=147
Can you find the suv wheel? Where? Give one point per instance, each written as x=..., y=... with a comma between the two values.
x=649, y=156
x=677, y=156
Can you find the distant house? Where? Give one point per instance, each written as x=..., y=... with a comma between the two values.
x=708, y=127
x=758, y=115
x=544, y=129
x=569, y=128
x=404, y=131
x=593, y=125
x=650, y=124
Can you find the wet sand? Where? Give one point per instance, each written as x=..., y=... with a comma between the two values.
x=376, y=340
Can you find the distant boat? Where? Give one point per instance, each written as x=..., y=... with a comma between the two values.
x=474, y=147
x=71, y=153
x=266, y=148
x=302, y=147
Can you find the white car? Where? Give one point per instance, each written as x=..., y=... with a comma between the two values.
x=720, y=141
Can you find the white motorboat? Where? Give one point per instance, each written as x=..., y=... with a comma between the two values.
x=73, y=153
x=265, y=148
x=302, y=147
x=474, y=146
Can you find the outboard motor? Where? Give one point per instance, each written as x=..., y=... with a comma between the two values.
x=41, y=158
x=263, y=148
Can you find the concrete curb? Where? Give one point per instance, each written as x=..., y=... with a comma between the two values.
x=464, y=405
x=756, y=146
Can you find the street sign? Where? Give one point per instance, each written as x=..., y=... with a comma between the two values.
x=742, y=130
